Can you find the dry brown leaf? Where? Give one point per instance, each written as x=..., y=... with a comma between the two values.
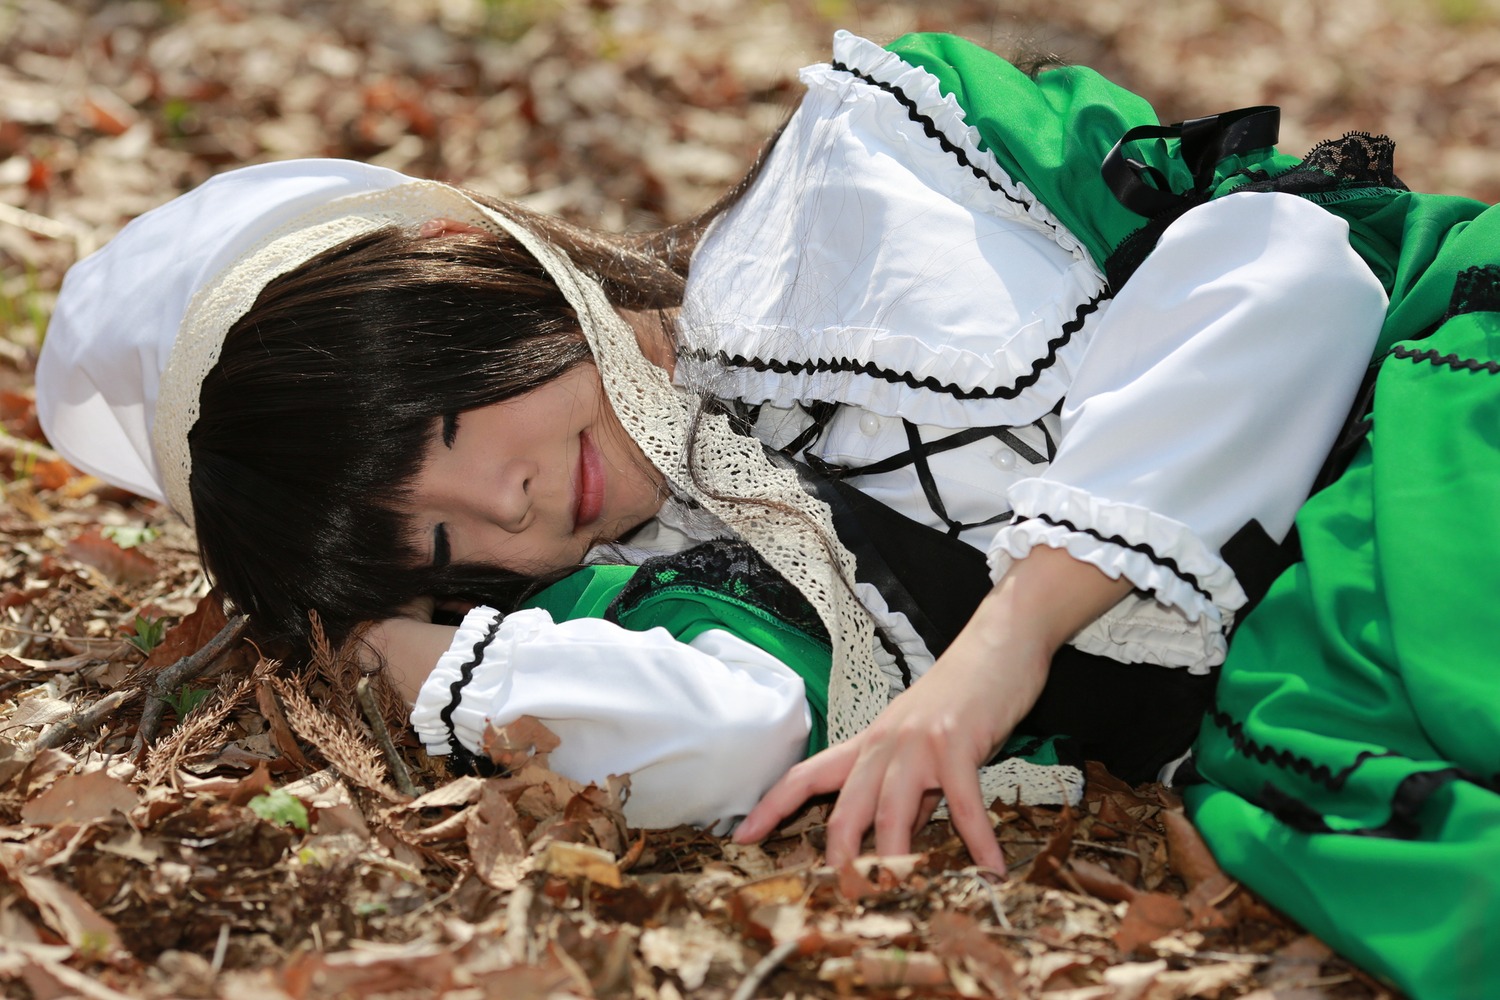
x=496, y=843
x=281, y=730
x=886, y=969
x=47, y=980
x=91, y=935
x=1100, y=881
x=80, y=798
x=189, y=635
x=567, y=860
x=120, y=565
x=690, y=951
x=1206, y=981
x=514, y=745
x=458, y=792
x=1151, y=915
x=1054, y=854
x=1189, y=856
x=958, y=938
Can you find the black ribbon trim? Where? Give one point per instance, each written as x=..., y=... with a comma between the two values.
x=1321, y=774
x=930, y=383
x=1407, y=801
x=1447, y=360
x=464, y=761
x=1164, y=562
x=1204, y=143
x=930, y=128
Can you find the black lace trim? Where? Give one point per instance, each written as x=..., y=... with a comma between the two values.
x=1477, y=289
x=1356, y=158
x=1165, y=562
x=1447, y=360
x=730, y=568
x=462, y=761
x=933, y=132
x=930, y=383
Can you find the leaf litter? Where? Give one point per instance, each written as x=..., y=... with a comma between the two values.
x=259, y=847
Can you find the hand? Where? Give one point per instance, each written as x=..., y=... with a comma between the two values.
x=932, y=739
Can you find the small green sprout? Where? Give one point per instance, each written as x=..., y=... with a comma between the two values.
x=149, y=632
x=280, y=806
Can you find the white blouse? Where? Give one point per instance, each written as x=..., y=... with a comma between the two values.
x=867, y=267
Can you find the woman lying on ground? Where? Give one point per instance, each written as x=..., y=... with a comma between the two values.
x=982, y=386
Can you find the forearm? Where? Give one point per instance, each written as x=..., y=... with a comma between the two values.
x=1009, y=641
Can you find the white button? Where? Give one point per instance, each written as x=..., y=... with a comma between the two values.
x=869, y=423
x=1004, y=459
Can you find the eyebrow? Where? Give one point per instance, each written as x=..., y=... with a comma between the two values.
x=450, y=429
x=442, y=554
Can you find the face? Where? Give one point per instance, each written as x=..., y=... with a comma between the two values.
x=530, y=484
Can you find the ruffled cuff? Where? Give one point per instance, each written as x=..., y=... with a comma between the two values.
x=1190, y=592
x=451, y=711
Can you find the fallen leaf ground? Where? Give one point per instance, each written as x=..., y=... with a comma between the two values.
x=261, y=844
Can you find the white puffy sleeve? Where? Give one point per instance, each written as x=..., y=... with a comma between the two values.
x=1209, y=396
x=702, y=728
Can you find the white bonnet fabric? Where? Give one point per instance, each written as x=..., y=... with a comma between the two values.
x=140, y=323
x=120, y=310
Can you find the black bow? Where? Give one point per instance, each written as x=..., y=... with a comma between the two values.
x=1205, y=142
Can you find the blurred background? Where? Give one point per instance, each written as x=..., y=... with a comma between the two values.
x=625, y=113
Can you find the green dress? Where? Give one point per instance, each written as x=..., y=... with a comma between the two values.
x=1350, y=768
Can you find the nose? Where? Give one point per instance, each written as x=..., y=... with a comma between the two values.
x=506, y=500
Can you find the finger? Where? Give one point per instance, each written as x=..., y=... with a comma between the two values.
x=854, y=812
x=901, y=797
x=823, y=772
x=970, y=818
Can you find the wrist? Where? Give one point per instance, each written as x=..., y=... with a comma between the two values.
x=1048, y=597
x=408, y=650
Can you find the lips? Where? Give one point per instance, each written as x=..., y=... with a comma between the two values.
x=590, y=504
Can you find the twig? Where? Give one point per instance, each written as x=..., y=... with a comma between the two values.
x=85, y=720
x=764, y=968
x=220, y=950
x=518, y=923
x=173, y=677
x=399, y=774
x=976, y=875
x=1094, y=845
